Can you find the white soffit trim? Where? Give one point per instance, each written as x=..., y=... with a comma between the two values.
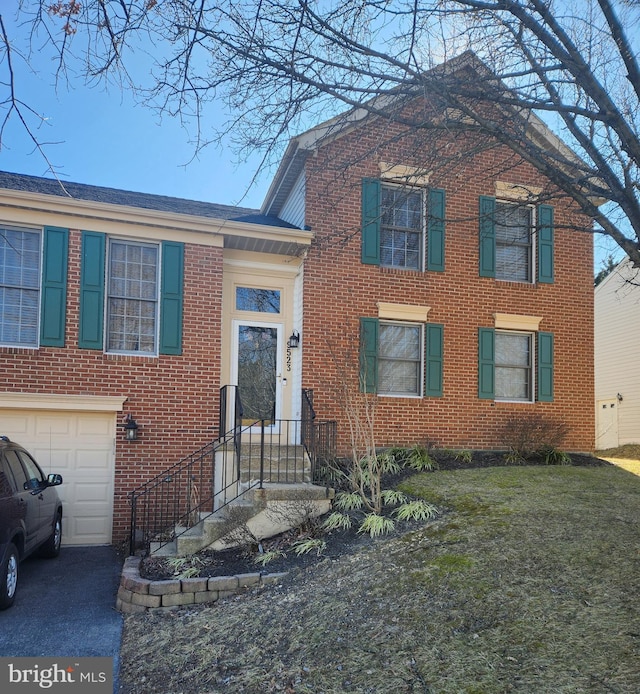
x=512, y=321
x=415, y=314
x=516, y=191
x=40, y=401
x=399, y=173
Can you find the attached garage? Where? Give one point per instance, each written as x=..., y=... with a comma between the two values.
x=74, y=436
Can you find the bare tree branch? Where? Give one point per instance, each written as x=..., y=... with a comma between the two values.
x=282, y=66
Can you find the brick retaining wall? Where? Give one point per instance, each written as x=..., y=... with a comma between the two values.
x=137, y=594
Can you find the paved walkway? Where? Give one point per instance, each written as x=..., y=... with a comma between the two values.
x=626, y=463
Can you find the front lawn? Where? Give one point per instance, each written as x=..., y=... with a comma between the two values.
x=528, y=581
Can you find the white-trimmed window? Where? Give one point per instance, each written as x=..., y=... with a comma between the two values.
x=132, y=301
x=400, y=359
x=402, y=227
x=514, y=366
x=514, y=225
x=20, y=252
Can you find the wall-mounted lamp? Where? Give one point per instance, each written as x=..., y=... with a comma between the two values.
x=294, y=340
x=130, y=429
x=619, y=397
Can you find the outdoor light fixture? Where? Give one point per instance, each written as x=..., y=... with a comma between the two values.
x=130, y=429
x=294, y=340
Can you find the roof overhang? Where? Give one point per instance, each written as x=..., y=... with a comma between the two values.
x=20, y=207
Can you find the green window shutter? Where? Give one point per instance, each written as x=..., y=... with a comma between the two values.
x=90, y=332
x=545, y=367
x=545, y=244
x=171, y=298
x=53, y=302
x=487, y=211
x=486, y=369
x=371, y=221
x=369, y=355
x=434, y=359
x=435, y=230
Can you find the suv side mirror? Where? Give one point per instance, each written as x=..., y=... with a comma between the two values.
x=54, y=480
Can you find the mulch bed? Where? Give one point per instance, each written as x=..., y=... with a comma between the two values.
x=242, y=560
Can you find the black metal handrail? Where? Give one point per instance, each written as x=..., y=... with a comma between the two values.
x=243, y=457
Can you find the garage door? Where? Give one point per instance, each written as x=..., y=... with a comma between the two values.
x=79, y=446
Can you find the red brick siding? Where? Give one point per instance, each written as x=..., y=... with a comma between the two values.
x=174, y=399
x=339, y=289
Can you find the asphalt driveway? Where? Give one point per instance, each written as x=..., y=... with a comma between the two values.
x=66, y=607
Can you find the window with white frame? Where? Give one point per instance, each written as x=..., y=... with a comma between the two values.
x=402, y=227
x=513, y=366
x=132, y=302
x=514, y=242
x=400, y=359
x=19, y=286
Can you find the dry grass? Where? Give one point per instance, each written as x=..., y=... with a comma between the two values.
x=528, y=582
x=627, y=457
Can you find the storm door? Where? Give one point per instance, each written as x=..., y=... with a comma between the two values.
x=257, y=367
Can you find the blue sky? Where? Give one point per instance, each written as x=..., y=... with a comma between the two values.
x=103, y=137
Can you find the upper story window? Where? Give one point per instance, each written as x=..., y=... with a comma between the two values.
x=19, y=286
x=402, y=227
x=132, y=301
x=514, y=242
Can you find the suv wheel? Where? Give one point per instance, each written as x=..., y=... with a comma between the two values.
x=9, y=577
x=51, y=548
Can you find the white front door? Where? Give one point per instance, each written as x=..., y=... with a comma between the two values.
x=257, y=370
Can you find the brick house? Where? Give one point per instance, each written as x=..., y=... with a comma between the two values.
x=450, y=294
x=469, y=300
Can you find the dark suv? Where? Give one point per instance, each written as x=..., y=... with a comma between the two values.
x=30, y=514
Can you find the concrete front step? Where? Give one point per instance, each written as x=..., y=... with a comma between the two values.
x=287, y=464
x=265, y=512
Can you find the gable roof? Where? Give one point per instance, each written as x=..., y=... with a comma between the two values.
x=302, y=146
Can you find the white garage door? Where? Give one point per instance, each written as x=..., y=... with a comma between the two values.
x=80, y=447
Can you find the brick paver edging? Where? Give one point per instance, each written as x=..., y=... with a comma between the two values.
x=137, y=594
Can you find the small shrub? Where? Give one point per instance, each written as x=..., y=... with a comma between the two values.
x=417, y=510
x=465, y=456
x=553, y=456
x=337, y=521
x=528, y=436
x=312, y=544
x=270, y=555
x=376, y=525
x=420, y=459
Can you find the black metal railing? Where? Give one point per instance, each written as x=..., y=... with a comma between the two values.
x=243, y=458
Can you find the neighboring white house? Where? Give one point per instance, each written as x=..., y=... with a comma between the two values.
x=617, y=357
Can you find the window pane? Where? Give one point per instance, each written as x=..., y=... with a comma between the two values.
x=19, y=286
x=399, y=359
x=512, y=384
x=513, y=372
x=260, y=300
x=401, y=229
x=513, y=242
x=133, y=297
x=512, y=349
